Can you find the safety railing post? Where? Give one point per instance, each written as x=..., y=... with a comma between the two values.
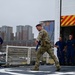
x=6, y=54
x=29, y=56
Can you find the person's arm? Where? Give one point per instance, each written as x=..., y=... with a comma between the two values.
x=40, y=36
x=73, y=44
x=37, y=45
x=65, y=46
x=56, y=45
x=37, y=42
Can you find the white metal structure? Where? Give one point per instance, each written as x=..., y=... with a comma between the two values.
x=18, y=47
x=14, y=56
x=67, y=8
x=57, y=23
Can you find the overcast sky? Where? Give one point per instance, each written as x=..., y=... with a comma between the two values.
x=29, y=12
x=25, y=12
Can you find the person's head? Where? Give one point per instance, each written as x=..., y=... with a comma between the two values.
x=70, y=37
x=60, y=38
x=39, y=27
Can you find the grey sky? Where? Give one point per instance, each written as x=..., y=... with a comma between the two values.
x=68, y=7
x=25, y=12
x=31, y=12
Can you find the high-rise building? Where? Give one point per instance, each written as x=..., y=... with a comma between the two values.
x=0, y=28
x=29, y=33
x=24, y=32
x=7, y=33
x=19, y=32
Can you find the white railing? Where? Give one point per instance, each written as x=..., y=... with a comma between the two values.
x=28, y=53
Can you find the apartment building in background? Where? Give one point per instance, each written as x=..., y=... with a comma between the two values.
x=19, y=32
x=29, y=33
x=24, y=35
x=24, y=32
x=6, y=32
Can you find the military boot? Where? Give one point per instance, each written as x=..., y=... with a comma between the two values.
x=58, y=68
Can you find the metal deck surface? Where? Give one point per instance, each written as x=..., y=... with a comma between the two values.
x=44, y=70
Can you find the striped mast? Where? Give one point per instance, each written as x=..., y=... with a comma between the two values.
x=68, y=20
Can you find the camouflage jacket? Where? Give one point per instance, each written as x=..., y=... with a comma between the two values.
x=43, y=37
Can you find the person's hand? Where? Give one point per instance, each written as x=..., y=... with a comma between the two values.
x=64, y=50
x=57, y=46
x=36, y=42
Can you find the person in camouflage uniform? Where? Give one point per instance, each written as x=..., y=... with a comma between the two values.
x=44, y=47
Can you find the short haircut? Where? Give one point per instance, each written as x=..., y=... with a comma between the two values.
x=38, y=25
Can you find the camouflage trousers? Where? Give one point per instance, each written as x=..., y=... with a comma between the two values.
x=41, y=51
